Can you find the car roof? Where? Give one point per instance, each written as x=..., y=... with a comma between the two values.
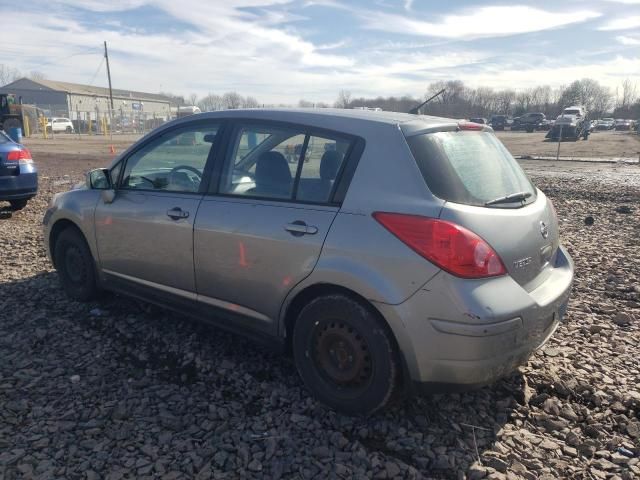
x=355, y=121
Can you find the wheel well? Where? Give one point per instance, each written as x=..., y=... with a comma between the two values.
x=318, y=290
x=56, y=230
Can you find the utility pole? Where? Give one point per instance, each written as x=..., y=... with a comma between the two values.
x=106, y=56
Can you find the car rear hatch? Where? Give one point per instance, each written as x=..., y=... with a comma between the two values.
x=488, y=193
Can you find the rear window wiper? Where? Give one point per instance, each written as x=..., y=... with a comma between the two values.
x=512, y=197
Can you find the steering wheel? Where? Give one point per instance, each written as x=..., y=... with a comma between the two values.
x=186, y=167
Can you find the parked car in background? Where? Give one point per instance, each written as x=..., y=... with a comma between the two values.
x=500, y=122
x=571, y=124
x=452, y=274
x=534, y=121
x=18, y=174
x=59, y=125
x=605, y=124
x=623, y=124
x=479, y=120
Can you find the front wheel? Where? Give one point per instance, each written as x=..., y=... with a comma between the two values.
x=345, y=354
x=69, y=130
x=76, y=269
x=18, y=204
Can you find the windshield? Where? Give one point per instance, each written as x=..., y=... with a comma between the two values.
x=4, y=138
x=472, y=168
x=571, y=111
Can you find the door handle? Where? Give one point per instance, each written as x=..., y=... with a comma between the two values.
x=299, y=228
x=177, y=213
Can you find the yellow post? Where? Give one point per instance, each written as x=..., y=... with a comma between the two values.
x=43, y=125
x=25, y=125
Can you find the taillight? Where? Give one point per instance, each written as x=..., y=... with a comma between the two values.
x=451, y=247
x=22, y=156
x=470, y=126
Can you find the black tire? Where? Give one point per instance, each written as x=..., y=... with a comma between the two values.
x=10, y=123
x=345, y=355
x=76, y=268
x=69, y=130
x=18, y=204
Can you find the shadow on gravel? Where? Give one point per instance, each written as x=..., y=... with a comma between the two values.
x=132, y=374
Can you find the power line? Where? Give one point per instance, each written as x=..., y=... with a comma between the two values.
x=96, y=72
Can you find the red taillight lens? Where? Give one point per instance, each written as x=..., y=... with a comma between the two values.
x=451, y=247
x=470, y=126
x=17, y=155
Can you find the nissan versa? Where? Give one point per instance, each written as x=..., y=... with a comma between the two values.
x=386, y=250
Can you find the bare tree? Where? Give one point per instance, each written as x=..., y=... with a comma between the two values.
x=250, y=102
x=305, y=104
x=175, y=99
x=36, y=75
x=8, y=74
x=344, y=99
x=192, y=99
x=629, y=94
x=211, y=103
x=232, y=100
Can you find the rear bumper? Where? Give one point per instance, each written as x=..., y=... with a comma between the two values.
x=460, y=334
x=24, y=185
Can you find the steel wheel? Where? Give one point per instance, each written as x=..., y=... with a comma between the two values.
x=342, y=355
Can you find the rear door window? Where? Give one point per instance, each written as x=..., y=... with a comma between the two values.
x=469, y=167
x=284, y=163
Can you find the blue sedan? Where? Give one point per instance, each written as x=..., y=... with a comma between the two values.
x=18, y=174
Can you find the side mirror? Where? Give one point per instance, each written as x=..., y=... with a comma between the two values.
x=99, y=179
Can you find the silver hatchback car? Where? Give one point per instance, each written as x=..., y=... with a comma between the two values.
x=387, y=251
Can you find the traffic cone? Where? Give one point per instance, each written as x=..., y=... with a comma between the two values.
x=112, y=150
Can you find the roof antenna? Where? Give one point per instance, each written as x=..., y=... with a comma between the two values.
x=416, y=110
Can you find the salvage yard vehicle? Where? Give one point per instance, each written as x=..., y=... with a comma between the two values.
x=623, y=124
x=500, y=122
x=571, y=124
x=18, y=174
x=605, y=124
x=479, y=120
x=413, y=254
x=59, y=124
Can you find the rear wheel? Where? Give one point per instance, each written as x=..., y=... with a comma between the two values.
x=69, y=130
x=74, y=262
x=345, y=355
x=18, y=204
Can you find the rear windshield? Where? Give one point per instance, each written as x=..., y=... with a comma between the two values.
x=469, y=167
x=4, y=138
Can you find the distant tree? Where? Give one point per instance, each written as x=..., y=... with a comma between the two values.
x=344, y=99
x=232, y=100
x=192, y=99
x=588, y=93
x=305, y=104
x=629, y=94
x=175, y=99
x=36, y=75
x=8, y=74
x=250, y=102
x=211, y=103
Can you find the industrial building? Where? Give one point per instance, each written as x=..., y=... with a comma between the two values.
x=75, y=101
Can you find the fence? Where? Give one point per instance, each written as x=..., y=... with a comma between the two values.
x=38, y=119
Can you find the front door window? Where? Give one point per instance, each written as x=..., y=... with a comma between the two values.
x=172, y=163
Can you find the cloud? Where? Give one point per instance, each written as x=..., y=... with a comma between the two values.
x=628, y=40
x=266, y=49
x=627, y=23
x=494, y=21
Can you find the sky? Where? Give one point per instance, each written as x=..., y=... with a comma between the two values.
x=280, y=51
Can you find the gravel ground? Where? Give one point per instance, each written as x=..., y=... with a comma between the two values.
x=120, y=389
